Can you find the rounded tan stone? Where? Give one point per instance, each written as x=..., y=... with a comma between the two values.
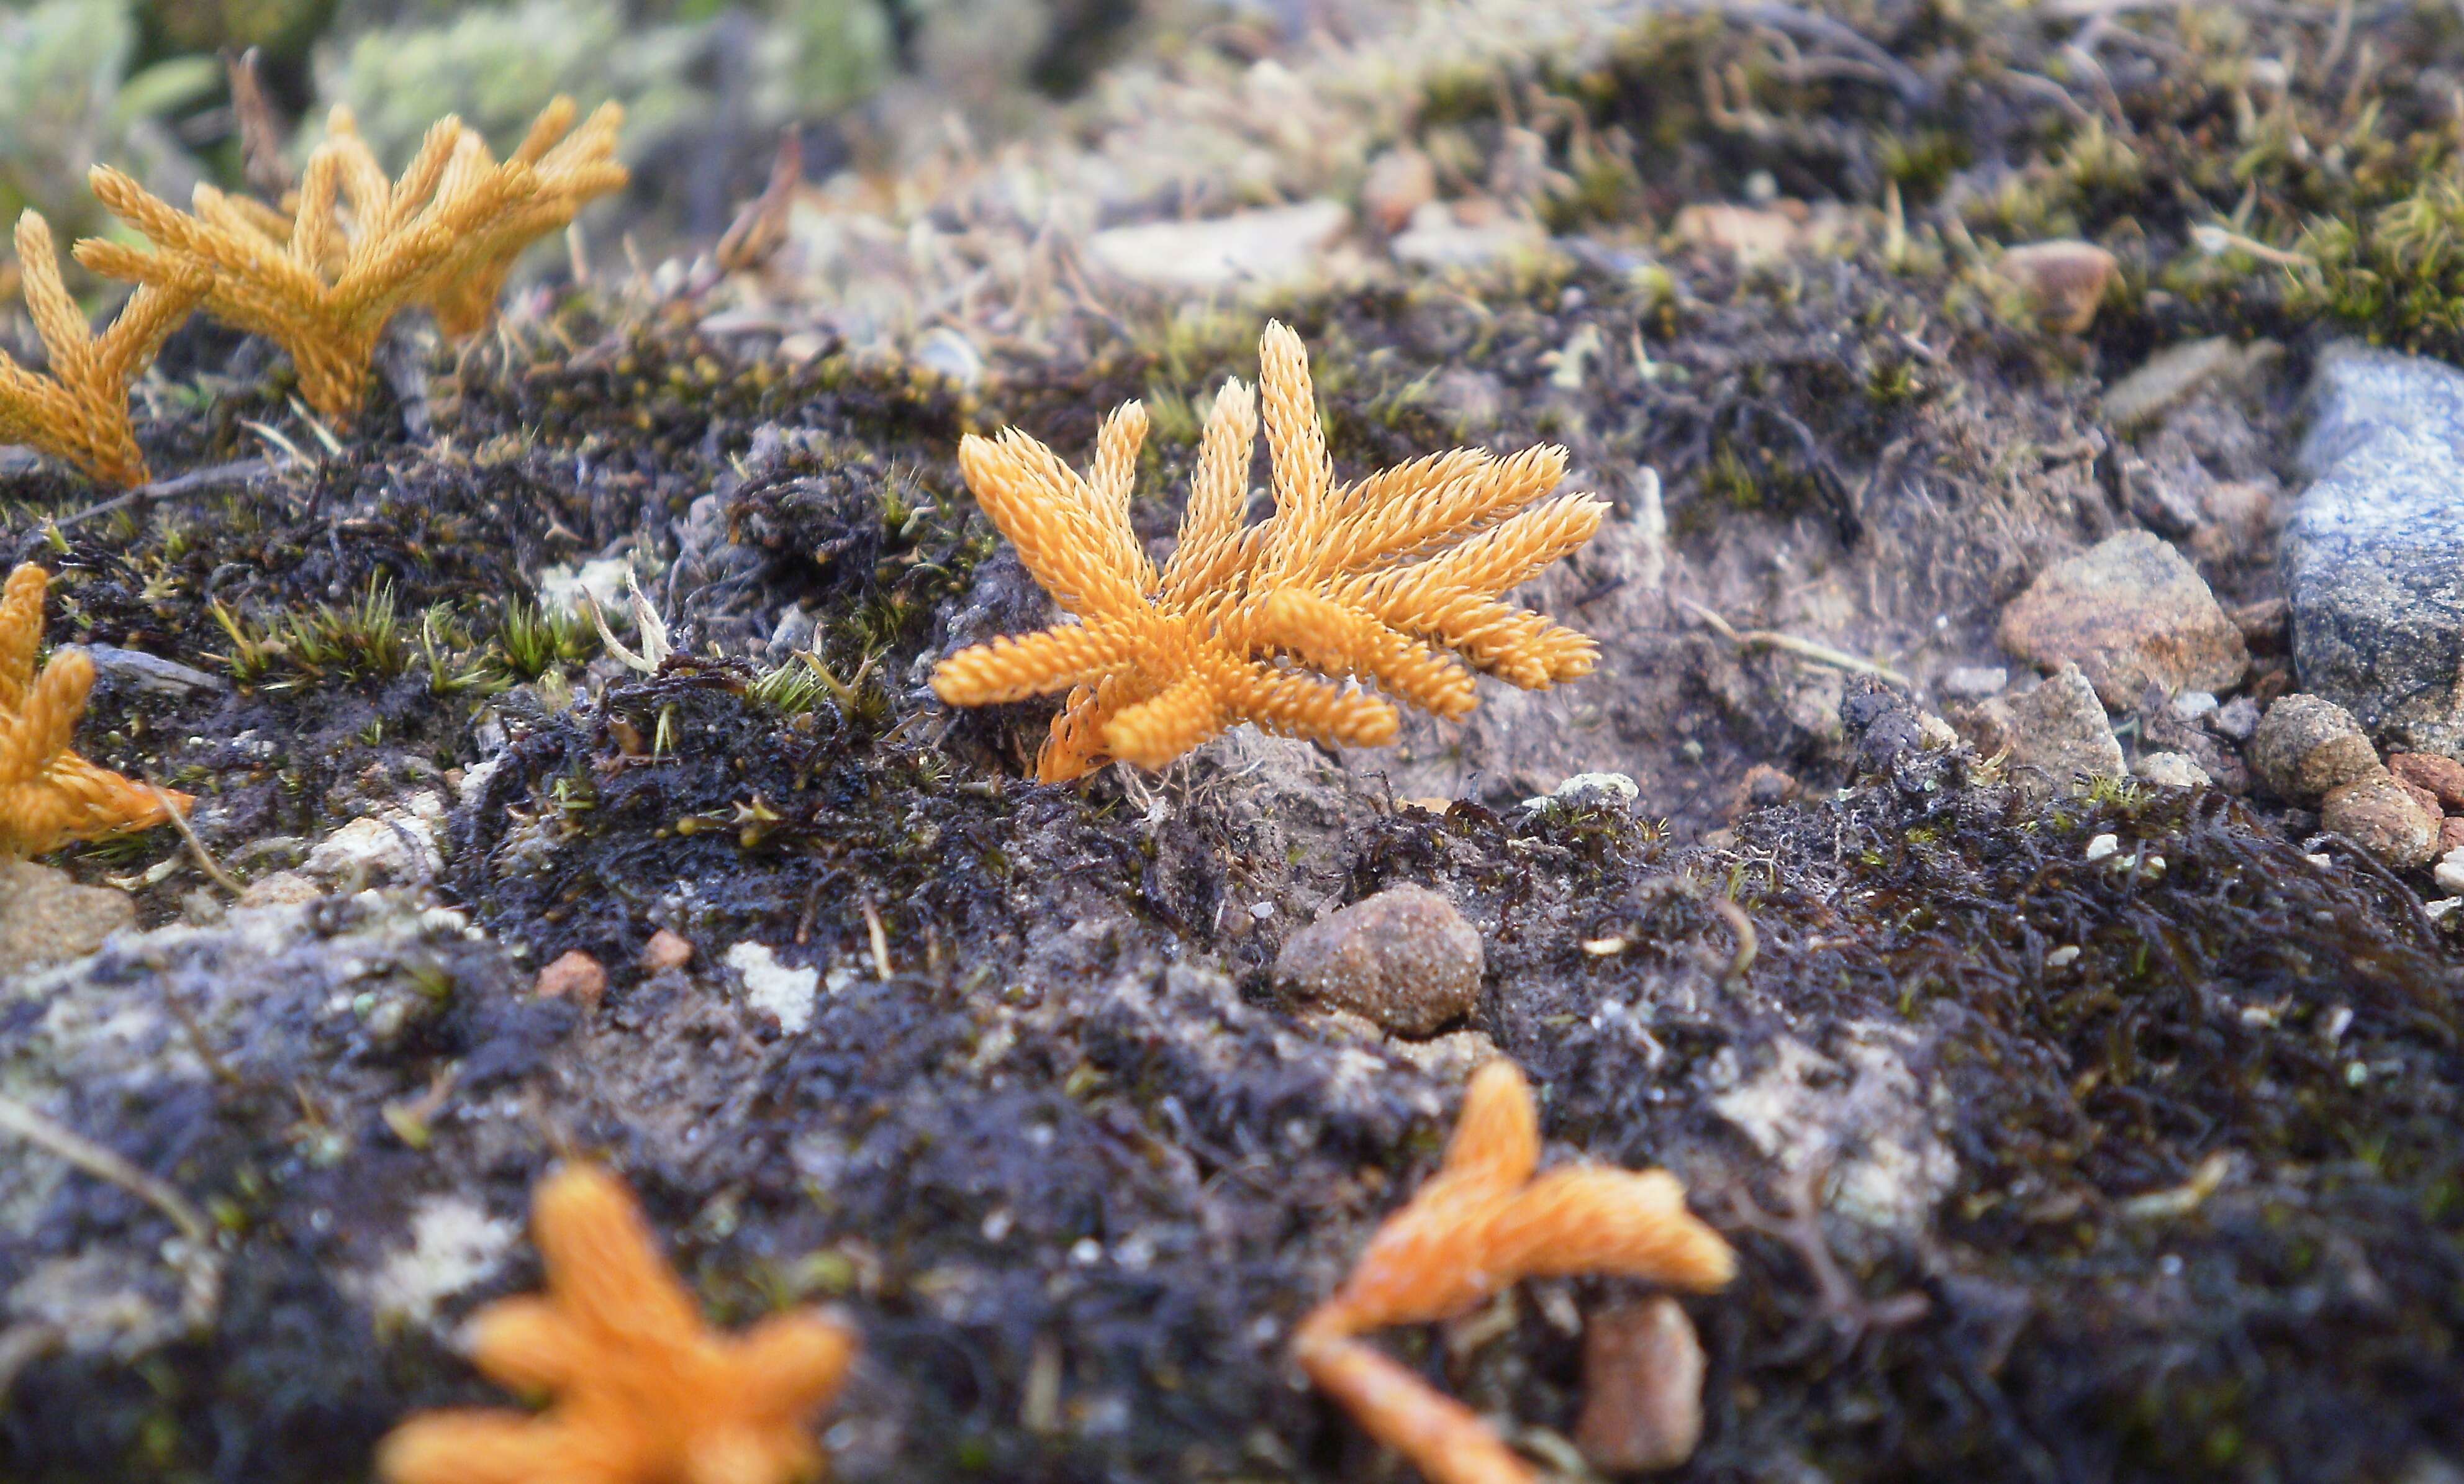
x=1403, y=958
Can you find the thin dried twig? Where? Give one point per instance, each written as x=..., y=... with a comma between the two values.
x=197, y=851
x=761, y=230
x=195, y=1256
x=213, y=476
x=1803, y=648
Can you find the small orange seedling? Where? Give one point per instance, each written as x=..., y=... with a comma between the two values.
x=1480, y=1225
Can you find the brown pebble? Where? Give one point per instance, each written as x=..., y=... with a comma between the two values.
x=45, y=916
x=2063, y=281
x=2443, y=777
x=1401, y=181
x=2267, y=682
x=1755, y=237
x=1404, y=958
x=1643, y=1388
x=1763, y=787
x=2266, y=625
x=2450, y=834
x=666, y=950
x=577, y=976
x=279, y=888
x=2398, y=824
x=2130, y=612
x=2306, y=745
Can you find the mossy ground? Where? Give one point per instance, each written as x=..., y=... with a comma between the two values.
x=1073, y=1167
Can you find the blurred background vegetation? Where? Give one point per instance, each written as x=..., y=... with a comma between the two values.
x=709, y=84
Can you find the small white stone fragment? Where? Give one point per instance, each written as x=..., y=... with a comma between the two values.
x=561, y=588
x=475, y=776
x=1606, y=785
x=2063, y=957
x=400, y=844
x=1974, y=682
x=786, y=993
x=2450, y=872
x=2101, y=846
x=2172, y=769
x=454, y=1243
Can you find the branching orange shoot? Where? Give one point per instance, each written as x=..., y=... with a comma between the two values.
x=1393, y=581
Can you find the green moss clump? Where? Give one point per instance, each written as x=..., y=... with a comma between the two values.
x=2396, y=273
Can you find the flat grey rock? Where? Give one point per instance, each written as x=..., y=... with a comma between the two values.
x=2373, y=557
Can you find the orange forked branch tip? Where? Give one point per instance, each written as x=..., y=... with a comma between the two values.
x=1481, y=1224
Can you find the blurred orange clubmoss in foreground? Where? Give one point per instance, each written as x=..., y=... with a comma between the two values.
x=641, y=1391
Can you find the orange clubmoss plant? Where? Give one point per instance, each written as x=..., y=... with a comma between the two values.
x=643, y=1391
x=79, y=412
x=1391, y=579
x=569, y=168
x=325, y=282
x=49, y=795
x=1480, y=1224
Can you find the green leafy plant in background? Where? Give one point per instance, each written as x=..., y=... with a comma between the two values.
x=497, y=67
x=71, y=94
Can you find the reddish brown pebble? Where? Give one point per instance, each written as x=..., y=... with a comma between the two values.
x=2396, y=824
x=2443, y=777
x=666, y=950
x=1643, y=1388
x=575, y=976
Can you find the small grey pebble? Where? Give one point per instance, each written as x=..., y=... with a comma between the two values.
x=2192, y=705
x=2236, y=720
x=1974, y=682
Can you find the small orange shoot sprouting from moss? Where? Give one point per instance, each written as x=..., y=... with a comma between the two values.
x=79, y=412
x=1394, y=580
x=1481, y=1224
x=49, y=795
x=642, y=1391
